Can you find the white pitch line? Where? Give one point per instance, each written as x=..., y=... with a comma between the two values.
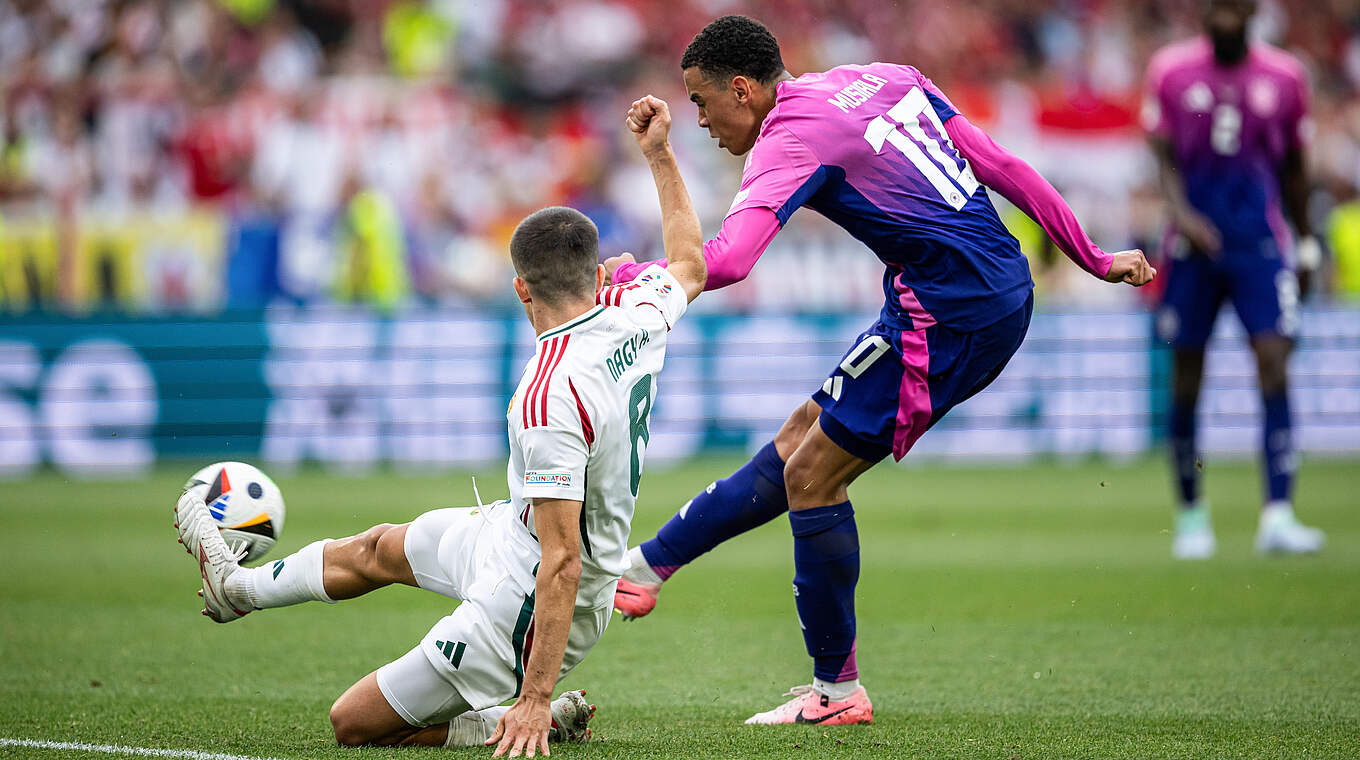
x=118, y=749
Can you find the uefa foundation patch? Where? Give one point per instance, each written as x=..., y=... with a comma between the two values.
x=533, y=478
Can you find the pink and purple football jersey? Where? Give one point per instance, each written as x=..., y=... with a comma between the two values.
x=866, y=147
x=1230, y=128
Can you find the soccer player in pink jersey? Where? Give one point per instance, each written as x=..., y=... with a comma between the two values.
x=1228, y=120
x=879, y=150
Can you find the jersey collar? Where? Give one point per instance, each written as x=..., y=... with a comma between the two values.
x=593, y=313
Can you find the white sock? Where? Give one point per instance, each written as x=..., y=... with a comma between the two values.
x=836, y=692
x=1279, y=506
x=294, y=579
x=474, y=727
x=639, y=571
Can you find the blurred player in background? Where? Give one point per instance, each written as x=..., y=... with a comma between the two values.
x=535, y=572
x=881, y=152
x=1228, y=121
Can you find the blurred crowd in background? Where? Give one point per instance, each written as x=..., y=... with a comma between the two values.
x=204, y=154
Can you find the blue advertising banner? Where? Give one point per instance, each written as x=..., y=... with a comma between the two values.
x=351, y=389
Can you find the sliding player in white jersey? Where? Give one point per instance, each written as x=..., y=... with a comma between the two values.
x=536, y=572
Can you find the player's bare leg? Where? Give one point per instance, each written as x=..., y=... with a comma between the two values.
x=826, y=562
x=796, y=428
x=1194, y=532
x=326, y=571
x=819, y=473
x=1279, y=531
x=363, y=716
x=748, y=498
x=359, y=564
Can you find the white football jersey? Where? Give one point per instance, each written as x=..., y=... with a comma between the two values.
x=578, y=421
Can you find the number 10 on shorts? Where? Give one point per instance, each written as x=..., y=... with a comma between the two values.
x=853, y=365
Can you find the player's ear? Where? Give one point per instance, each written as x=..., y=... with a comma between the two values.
x=741, y=89
x=522, y=290
x=600, y=276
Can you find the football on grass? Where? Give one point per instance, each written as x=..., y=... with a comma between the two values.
x=245, y=503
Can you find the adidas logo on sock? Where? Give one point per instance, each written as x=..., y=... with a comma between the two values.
x=452, y=651
x=278, y=568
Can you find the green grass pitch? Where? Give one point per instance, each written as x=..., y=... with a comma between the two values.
x=1003, y=613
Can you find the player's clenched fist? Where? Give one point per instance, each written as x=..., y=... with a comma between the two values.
x=614, y=262
x=649, y=118
x=1131, y=267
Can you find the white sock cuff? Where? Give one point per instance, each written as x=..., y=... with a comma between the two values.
x=315, y=569
x=837, y=691
x=639, y=571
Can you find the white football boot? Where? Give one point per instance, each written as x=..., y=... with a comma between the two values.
x=199, y=534
x=570, y=714
x=1194, y=538
x=1280, y=532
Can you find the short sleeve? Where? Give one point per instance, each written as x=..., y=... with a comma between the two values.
x=1154, y=113
x=654, y=295
x=781, y=174
x=1300, y=125
x=555, y=458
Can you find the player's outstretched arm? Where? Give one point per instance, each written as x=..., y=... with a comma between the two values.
x=524, y=727
x=1196, y=228
x=1020, y=184
x=649, y=119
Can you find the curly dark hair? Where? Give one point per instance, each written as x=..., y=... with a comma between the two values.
x=735, y=46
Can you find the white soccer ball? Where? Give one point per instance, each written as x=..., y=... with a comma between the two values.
x=246, y=504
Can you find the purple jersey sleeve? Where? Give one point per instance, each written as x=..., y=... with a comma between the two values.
x=744, y=236
x=781, y=173
x=1020, y=184
x=1296, y=111
x=1155, y=107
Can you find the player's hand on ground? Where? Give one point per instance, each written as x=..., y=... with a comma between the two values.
x=1199, y=232
x=649, y=119
x=523, y=729
x=612, y=263
x=1131, y=267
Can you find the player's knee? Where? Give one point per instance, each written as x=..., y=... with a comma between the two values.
x=803, y=477
x=1187, y=375
x=1185, y=388
x=349, y=731
x=795, y=469
x=371, y=550
x=1273, y=380
x=1272, y=358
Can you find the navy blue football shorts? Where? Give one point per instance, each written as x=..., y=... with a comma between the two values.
x=1264, y=292
x=893, y=385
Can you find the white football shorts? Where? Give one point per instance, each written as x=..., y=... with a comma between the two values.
x=475, y=657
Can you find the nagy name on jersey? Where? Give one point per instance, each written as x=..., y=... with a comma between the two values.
x=625, y=355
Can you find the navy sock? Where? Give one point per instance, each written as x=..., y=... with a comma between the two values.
x=826, y=569
x=1184, y=457
x=1278, y=448
x=746, y=499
